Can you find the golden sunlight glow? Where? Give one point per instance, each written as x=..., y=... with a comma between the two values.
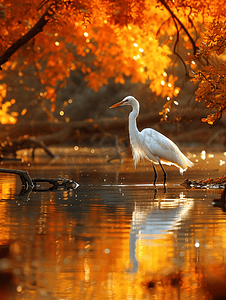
x=162, y=82
x=203, y=154
x=61, y=112
x=7, y=186
x=135, y=45
x=12, y=120
x=57, y=43
x=86, y=34
x=181, y=196
x=222, y=162
x=86, y=269
x=197, y=245
x=19, y=288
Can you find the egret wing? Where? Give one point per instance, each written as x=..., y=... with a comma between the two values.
x=158, y=145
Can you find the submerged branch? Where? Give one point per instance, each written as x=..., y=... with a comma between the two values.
x=29, y=184
x=24, y=176
x=56, y=183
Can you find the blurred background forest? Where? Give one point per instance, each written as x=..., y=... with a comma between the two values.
x=65, y=62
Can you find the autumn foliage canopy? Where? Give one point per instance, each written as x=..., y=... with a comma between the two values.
x=108, y=39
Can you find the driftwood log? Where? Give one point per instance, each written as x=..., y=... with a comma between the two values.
x=33, y=135
x=24, y=176
x=56, y=183
x=29, y=184
x=12, y=146
x=50, y=133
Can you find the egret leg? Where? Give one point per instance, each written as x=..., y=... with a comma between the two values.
x=156, y=175
x=164, y=172
x=155, y=193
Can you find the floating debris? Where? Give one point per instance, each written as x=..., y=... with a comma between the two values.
x=209, y=183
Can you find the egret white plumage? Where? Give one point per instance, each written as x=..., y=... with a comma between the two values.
x=151, y=144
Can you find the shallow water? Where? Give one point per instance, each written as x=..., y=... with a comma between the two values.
x=113, y=237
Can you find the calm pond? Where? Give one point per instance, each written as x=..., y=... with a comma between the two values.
x=112, y=237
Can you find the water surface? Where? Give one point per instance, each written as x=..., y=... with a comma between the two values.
x=113, y=237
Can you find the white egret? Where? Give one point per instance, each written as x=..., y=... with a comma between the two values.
x=151, y=144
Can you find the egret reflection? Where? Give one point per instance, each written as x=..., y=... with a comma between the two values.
x=155, y=221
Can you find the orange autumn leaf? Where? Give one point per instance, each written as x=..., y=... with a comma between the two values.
x=50, y=91
x=23, y=112
x=117, y=39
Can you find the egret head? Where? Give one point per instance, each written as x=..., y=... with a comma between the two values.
x=129, y=100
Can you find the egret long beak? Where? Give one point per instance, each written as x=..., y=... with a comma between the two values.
x=117, y=104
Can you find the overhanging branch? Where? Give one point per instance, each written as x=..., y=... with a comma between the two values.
x=37, y=28
x=176, y=53
x=195, y=48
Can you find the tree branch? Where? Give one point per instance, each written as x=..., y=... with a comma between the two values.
x=174, y=49
x=37, y=28
x=195, y=48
